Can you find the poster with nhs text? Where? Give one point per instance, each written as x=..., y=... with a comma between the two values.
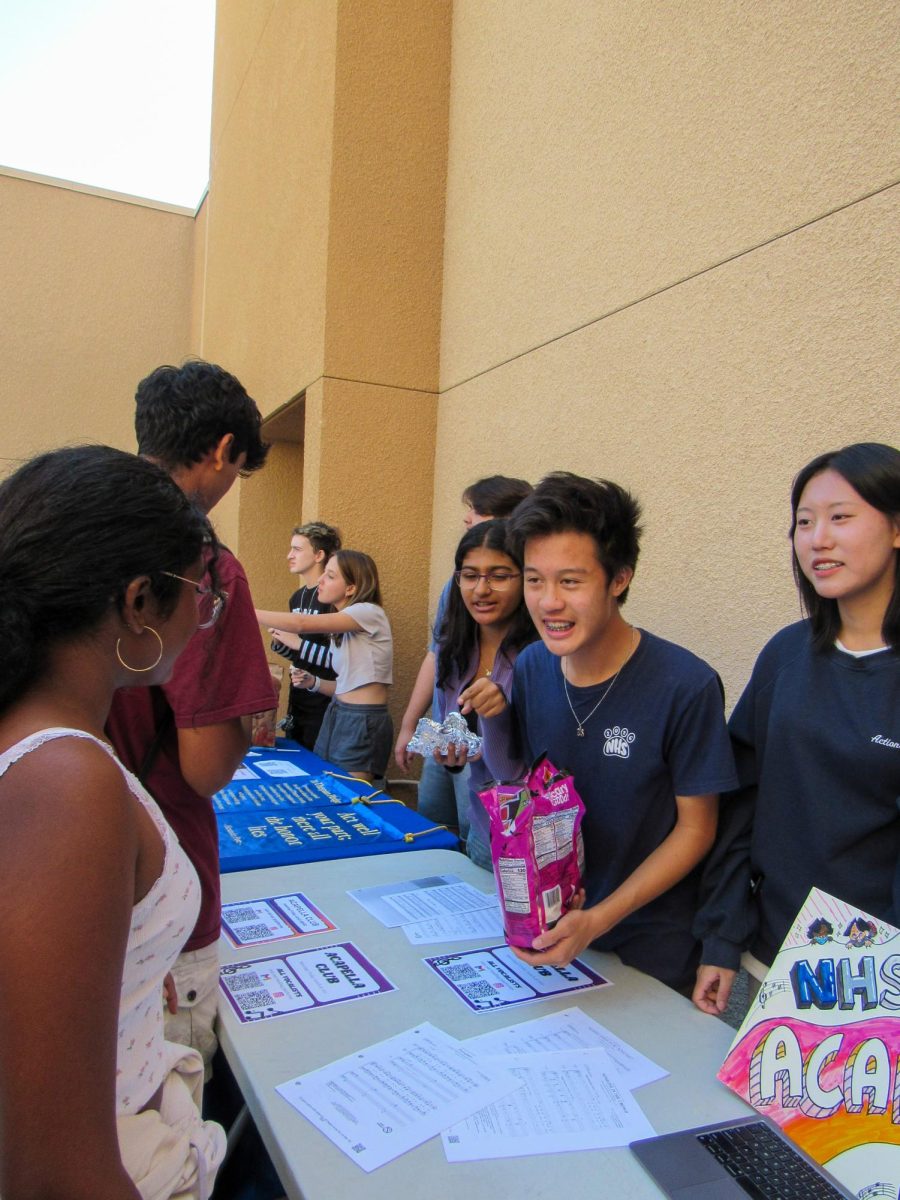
x=818, y=1051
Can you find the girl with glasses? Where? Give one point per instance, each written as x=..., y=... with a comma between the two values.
x=484, y=626
x=93, y=596
x=356, y=733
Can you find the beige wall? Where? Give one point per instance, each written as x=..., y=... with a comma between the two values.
x=323, y=238
x=671, y=258
x=379, y=496
x=654, y=242
x=386, y=221
x=96, y=293
x=268, y=204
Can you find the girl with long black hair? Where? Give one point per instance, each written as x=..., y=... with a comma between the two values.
x=816, y=733
x=484, y=627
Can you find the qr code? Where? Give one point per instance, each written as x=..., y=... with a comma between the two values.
x=459, y=971
x=358, y=1148
x=251, y=933
x=479, y=990
x=453, y=1139
x=243, y=982
x=261, y=999
x=236, y=915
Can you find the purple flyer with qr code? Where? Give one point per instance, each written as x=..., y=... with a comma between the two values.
x=271, y=918
x=276, y=987
x=494, y=978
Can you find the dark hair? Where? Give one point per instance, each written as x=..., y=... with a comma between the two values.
x=818, y=927
x=320, y=536
x=184, y=412
x=76, y=527
x=360, y=571
x=862, y=925
x=567, y=503
x=497, y=495
x=873, y=470
x=457, y=635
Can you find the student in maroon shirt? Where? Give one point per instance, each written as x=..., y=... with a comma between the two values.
x=185, y=739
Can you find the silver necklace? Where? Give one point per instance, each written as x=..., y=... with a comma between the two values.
x=579, y=725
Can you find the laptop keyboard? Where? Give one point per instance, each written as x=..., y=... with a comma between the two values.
x=764, y=1165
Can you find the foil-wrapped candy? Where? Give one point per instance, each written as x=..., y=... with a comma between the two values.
x=452, y=731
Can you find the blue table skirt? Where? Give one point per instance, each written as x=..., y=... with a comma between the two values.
x=285, y=806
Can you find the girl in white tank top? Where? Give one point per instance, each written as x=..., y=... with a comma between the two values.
x=101, y=563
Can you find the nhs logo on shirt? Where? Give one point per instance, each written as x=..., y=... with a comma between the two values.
x=618, y=742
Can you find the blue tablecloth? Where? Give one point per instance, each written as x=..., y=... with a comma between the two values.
x=285, y=806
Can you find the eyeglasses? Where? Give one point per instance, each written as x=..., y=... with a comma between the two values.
x=497, y=581
x=209, y=602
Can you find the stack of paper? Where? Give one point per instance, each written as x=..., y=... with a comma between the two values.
x=561, y=1082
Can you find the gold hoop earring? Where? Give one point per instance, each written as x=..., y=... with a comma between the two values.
x=141, y=670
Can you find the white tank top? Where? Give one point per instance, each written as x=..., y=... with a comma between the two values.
x=160, y=925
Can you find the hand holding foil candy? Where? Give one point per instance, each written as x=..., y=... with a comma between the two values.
x=452, y=731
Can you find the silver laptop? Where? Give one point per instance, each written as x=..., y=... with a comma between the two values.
x=732, y=1160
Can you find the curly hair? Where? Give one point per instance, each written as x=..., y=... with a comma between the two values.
x=184, y=412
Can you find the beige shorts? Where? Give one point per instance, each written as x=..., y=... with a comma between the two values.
x=196, y=975
x=173, y=1154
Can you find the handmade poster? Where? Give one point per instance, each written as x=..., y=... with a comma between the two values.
x=276, y=987
x=819, y=1050
x=252, y=922
x=494, y=978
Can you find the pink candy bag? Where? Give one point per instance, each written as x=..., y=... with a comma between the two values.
x=536, y=848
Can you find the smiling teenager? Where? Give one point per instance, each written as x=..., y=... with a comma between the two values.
x=356, y=734
x=311, y=547
x=483, y=628
x=817, y=731
x=637, y=720
x=445, y=797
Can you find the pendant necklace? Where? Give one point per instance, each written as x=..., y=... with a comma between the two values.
x=485, y=668
x=579, y=725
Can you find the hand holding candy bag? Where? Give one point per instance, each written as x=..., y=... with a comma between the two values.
x=536, y=849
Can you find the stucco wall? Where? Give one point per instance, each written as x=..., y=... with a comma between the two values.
x=671, y=259
x=96, y=293
x=268, y=204
x=378, y=495
x=324, y=231
x=669, y=256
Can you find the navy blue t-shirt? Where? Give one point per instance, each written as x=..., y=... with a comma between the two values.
x=816, y=736
x=660, y=733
